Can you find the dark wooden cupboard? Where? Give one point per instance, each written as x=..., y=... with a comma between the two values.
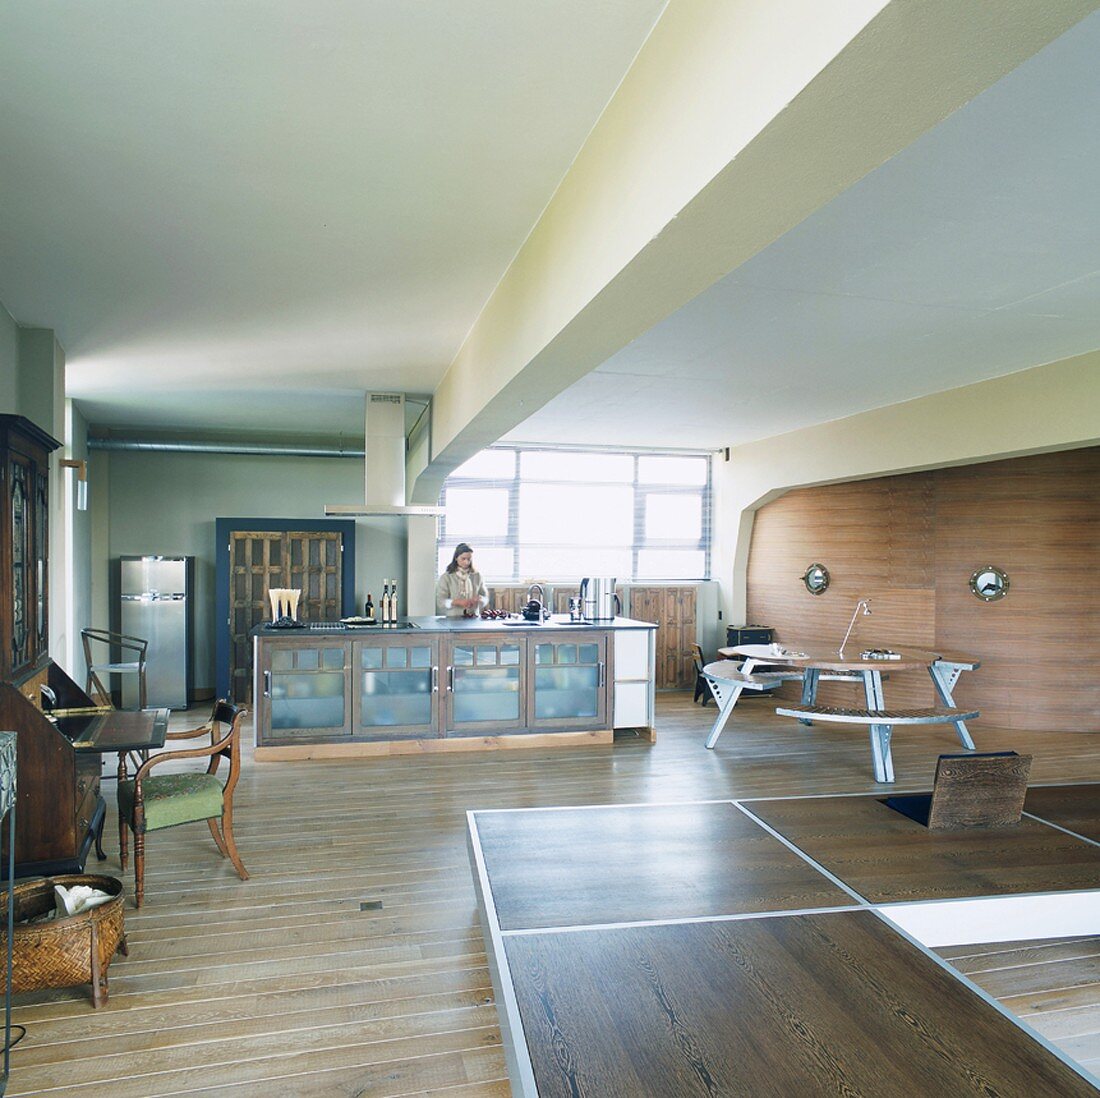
x=674, y=611
x=59, y=811
x=24, y=545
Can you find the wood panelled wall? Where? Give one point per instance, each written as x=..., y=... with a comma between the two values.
x=910, y=543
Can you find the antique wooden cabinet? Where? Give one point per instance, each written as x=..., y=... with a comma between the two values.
x=60, y=811
x=24, y=545
x=312, y=561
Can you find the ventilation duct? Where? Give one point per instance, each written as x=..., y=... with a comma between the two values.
x=384, y=472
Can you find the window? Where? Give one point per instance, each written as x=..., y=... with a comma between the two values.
x=559, y=515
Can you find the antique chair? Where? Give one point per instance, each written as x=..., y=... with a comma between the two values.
x=151, y=802
x=702, y=687
x=124, y=645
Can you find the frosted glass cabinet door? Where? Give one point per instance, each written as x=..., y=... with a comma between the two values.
x=570, y=683
x=305, y=691
x=486, y=684
x=396, y=687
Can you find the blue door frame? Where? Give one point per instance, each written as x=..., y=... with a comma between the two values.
x=222, y=529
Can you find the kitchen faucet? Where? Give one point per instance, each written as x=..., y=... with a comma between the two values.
x=865, y=606
x=535, y=610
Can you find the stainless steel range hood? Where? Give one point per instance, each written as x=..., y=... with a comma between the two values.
x=384, y=474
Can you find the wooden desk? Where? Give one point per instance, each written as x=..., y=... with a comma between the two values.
x=116, y=730
x=61, y=812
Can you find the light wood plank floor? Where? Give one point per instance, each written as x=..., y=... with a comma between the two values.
x=352, y=962
x=1052, y=985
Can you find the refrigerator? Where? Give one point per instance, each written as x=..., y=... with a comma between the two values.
x=156, y=596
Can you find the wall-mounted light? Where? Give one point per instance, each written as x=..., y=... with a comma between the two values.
x=81, y=468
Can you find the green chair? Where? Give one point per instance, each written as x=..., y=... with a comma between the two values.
x=152, y=802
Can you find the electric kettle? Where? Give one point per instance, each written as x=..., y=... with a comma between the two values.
x=598, y=599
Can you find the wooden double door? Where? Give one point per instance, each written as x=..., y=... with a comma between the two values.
x=311, y=560
x=675, y=611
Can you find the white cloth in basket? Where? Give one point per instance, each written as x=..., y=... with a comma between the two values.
x=72, y=901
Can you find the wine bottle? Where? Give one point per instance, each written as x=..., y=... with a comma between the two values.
x=385, y=602
x=368, y=610
x=393, y=603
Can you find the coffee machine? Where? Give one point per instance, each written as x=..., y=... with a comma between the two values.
x=598, y=599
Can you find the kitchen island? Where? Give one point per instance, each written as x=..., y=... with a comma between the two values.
x=328, y=691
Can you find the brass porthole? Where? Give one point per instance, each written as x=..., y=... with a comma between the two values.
x=816, y=579
x=989, y=583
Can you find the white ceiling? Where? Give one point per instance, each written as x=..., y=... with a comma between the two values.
x=244, y=213
x=973, y=253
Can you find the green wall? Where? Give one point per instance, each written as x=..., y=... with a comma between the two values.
x=9, y=363
x=166, y=503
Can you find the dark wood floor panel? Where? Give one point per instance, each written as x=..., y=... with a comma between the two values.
x=887, y=857
x=584, y=866
x=1076, y=807
x=810, y=1004
x=320, y=838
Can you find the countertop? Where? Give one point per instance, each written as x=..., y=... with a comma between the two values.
x=555, y=623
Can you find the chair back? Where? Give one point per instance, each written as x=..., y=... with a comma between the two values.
x=116, y=642
x=226, y=721
x=697, y=659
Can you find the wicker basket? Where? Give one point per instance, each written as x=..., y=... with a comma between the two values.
x=68, y=950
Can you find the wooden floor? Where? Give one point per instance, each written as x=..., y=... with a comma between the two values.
x=888, y=858
x=1054, y=986
x=352, y=962
x=823, y=1003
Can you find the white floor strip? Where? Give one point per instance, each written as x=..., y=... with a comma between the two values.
x=681, y=921
x=988, y=919
x=1059, y=827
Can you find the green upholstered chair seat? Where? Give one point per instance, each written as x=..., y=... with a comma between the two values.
x=172, y=799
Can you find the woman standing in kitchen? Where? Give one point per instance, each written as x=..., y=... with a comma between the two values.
x=460, y=591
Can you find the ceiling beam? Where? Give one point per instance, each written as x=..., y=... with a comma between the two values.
x=736, y=121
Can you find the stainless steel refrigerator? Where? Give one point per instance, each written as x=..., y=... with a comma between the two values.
x=155, y=597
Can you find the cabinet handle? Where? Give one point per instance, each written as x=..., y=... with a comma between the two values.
x=603, y=673
x=451, y=679
x=435, y=680
x=267, y=684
